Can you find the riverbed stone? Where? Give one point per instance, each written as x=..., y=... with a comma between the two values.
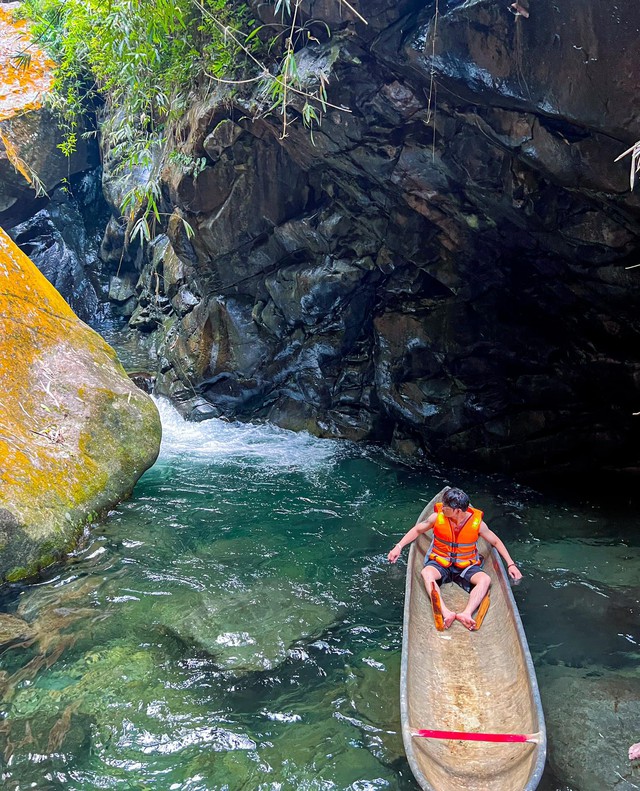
x=578, y=604
x=249, y=629
x=76, y=433
x=12, y=628
x=591, y=721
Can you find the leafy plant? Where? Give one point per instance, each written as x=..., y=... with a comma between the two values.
x=190, y=164
x=138, y=59
x=136, y=62
x=634, y=152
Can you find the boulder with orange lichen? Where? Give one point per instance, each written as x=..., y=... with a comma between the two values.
x=75, y=433
x=30, y=160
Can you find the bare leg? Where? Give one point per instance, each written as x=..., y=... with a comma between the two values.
x=481, y=583
x=431, y=575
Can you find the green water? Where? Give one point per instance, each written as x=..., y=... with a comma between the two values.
x=235, y=625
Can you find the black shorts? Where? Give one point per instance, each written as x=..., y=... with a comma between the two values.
x=461, y=577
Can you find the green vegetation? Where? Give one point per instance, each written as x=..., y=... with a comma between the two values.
x=144, y=59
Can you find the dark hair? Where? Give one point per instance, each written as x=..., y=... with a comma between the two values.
x=456, y=498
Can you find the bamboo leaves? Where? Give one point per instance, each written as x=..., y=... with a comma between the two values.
x=143, y=58
x=634, y=151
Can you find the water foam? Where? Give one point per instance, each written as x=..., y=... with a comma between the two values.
x=240, y=443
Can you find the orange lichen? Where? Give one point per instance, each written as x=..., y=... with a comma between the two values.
x=47, y=358
x=33, y=319
x=12, y=155
x=21, y=89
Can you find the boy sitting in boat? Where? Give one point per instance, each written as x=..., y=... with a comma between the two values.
x=453, y=555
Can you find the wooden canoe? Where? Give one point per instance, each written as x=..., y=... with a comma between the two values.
x=458, y=680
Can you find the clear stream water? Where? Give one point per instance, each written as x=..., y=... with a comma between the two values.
x=235, y=625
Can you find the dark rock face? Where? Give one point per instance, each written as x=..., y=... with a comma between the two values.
x=444, y=267
x=61, y=239
x=33, y=138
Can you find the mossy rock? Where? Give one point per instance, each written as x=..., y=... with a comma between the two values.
x=75, y=435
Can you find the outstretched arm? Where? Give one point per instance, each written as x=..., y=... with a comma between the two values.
x=410, y=536
x=512, y=570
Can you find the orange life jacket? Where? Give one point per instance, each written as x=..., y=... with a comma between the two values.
x=460, y=549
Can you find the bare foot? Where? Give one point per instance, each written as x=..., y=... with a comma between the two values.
x=466, y=620
x=449, y=617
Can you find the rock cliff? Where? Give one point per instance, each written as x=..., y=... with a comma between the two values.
x=75, y=432
x=444, y=267
x=31, y=161
x=44, y=194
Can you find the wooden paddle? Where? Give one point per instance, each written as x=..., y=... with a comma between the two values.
x=482, y=611
x=436, y=606
x=426, y=733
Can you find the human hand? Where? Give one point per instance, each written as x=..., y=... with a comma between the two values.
x=514, y=572
x=634, y=752
x=394, y=554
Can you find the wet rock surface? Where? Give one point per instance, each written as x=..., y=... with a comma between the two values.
x=587, y=716
x=443, y=268
x=76, y=433
x=62, y=240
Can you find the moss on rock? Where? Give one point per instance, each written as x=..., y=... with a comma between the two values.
x=75, y=433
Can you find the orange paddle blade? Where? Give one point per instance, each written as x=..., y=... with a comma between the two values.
x=482, y=611
x=436, y=606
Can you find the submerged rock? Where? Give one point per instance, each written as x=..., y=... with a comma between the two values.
x=249, y=629
x=591, y=721
x=12, y=628
x=75, y=433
